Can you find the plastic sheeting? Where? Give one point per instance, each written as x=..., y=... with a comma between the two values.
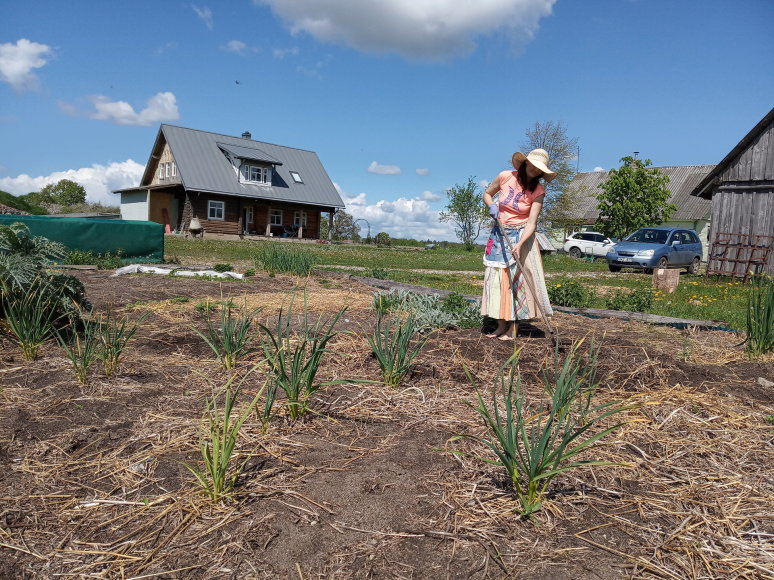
x=138, y=269
x=136, y=239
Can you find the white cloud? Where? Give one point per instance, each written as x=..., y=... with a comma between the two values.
x=423, y=171
x=161, y=107
x=18, y=60
x=236, y=46
x=430, y=196
x=205, y=14
x=280, y=53
x=98, y=180
x=383, y=169
x=598, y=168
x=415, y=29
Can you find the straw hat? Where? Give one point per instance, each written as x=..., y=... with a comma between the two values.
x=538, y=158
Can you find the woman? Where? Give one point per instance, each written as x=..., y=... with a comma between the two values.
x=520, y=200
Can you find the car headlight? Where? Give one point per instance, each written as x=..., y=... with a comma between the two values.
x=611, y=251
x=645, y=253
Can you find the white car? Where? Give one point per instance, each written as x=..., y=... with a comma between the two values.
x=582, y=244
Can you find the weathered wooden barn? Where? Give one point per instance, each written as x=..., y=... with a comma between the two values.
x=741, y=188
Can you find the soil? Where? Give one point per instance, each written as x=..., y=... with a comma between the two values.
x=372, y=482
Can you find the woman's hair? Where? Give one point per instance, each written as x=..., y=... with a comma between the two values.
x=527, y=183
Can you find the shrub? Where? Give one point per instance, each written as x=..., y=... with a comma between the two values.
x=637, y=300
x=223, y=267
x=570, y=293
x=278, y=257
x=382, y=239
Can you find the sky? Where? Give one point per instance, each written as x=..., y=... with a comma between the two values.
x=400, y=99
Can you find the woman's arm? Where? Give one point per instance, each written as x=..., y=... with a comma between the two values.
x=490, y=191
x=530, y=226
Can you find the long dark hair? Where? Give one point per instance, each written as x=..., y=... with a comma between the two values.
x=527, y=183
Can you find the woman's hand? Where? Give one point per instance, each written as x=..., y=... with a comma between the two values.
x=494, y=210
x=516, y=251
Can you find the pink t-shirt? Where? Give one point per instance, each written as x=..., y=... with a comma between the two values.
x=515, y=203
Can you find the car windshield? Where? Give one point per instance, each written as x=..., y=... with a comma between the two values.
x=648, y=236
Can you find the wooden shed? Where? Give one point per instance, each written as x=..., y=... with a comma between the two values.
x=741, y=188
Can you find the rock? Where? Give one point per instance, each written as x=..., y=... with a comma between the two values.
x=764, y=383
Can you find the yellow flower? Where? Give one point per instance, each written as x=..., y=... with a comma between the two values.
x=558, y=285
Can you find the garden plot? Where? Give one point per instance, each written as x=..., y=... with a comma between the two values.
x=367, y=483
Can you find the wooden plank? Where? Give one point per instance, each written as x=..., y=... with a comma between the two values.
x=768, y=172
x=758, y=160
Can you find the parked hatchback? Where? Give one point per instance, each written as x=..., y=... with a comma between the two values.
x=650, y=248
x=588, y=244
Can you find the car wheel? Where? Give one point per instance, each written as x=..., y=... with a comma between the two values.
x=575, y=252
x=694, y=267
x=662, y=263
x=614, y=268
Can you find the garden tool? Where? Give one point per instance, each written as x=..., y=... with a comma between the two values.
x=530, y=283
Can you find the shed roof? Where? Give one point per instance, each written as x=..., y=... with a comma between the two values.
x=202, y=166
x=704, y=188
x=682, y=181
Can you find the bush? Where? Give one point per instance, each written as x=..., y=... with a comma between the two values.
x=566, y=292
x=223, y=267
x=638, y=300
x=383, y=239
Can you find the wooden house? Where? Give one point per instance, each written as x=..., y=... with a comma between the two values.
x=692, y=212
x=232, y=186
x=741, y=190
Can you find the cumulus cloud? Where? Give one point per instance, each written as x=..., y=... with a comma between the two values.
x=98, y=180
x=205, y=14
x=598, y=168
x=402, y=218
x=430, y=196
x=160, y=108
x=417, y=30
x=236, y=46
x=383, y=169
x=17, y=62
x=423, y=171
x=280, y=53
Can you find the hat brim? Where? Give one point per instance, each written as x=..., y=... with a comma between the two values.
x=519, y=158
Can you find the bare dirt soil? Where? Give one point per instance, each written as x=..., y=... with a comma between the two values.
x=92, y=481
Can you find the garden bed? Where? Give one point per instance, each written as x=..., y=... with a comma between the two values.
x=93, y=483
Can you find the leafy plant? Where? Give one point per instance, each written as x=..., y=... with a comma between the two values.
x=82, y=347
x=391, y=345
x=250, y=272
x=223, y=267
x=276, y=258
x=179, y=300
x=536, y=443
x=293, y=361
x=760, y=316
x=379, y=274
x=32, y=316
x=230, y=340
x=218, y=439
x=570, y=293
x=106, y=261
x=465, y=313
x=205, y=307
x=637, y=300
x=114, y=335
x=429, y=310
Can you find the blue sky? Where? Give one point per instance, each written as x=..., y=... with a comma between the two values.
x=401, y=99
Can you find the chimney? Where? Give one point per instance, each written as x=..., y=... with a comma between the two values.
x=247, y=135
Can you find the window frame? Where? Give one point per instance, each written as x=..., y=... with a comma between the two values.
x=275, y=213
x=296, y=177
x=213, y=204
x=300, y=218
x=246, y=173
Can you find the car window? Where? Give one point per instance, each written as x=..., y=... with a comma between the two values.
x=581, y=237
x=648, y=236
x=694, y=238
x=599, y=238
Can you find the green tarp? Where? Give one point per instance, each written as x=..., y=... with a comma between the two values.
x=138, y=239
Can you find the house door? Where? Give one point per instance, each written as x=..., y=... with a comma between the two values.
x=247, y=220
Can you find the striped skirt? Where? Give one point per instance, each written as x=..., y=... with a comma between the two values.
x=503, y=279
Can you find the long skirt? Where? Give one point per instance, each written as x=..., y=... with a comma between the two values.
x=503, y=279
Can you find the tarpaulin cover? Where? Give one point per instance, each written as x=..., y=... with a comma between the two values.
x=137, y=239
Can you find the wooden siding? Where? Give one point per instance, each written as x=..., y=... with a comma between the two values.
x=755, y=163
x=165, y=157
x=234, y=210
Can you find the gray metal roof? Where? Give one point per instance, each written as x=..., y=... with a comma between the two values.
x=249, y=153
x=682, y=181
x=202, y=166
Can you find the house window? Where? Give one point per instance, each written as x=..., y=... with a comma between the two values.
x=256, y=174
x=161, y=171
x=174, y=169
x=166, y=169
x=215, y=210
x=296, y=177
x=249, y=215
x=276, y=217
x=299, y=219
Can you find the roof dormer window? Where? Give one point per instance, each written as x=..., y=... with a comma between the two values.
x=259, y=174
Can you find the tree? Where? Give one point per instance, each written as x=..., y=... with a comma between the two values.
x=633, y=197
x=562, y=153
x=344, y=227
x=62, y=193
x=466, y=211
x=382, y=239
